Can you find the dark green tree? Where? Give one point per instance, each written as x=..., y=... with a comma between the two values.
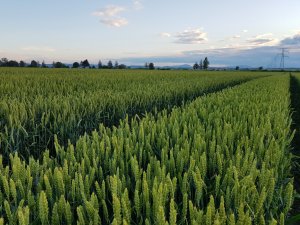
x=44, y=65
x=116, y=65
x=3, y=62
x=59, y=65
x=201, y=65
x=205, y=63
x=122, y=66
x=196, y=66
x=100, y=64
x=22, y=63
x=34, y=64
x=151, y=66
x=12, y=63
x=85, y=64
x=109, y=64
x=76, y=65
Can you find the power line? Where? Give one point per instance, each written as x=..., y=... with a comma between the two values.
x=284, y=52
x=273, y=63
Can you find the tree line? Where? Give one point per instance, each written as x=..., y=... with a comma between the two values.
x=203, y=65
x=4, y=62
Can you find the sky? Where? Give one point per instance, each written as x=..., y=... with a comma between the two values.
x=229, y=33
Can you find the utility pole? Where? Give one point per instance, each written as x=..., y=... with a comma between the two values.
x=284, y=53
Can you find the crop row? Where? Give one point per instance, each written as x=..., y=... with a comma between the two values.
x=222, y=159
x=295, y=103
x=37, y=104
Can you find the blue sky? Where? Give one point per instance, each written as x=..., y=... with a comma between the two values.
x=230, y=33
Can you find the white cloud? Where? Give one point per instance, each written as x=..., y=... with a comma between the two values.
x=292, y=41
x=245, y=31
x=109, y=11
x=114, y=22
x=191, y=36
x=263, y=40
x=165, y=34
x=236, y=37
x=110, y=16
x=38, y=49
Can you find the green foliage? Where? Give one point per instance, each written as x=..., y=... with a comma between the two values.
x=43, y=208
x=37, y=104
x=221, y=159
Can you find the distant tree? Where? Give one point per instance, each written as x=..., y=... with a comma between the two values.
x=151, y=66
x=146, y=65
x=237, y=68
x=3, y=62
x=85, y=63
x=201, y=65
x=34, y=64
x=122, y=66
x=12, y=63
x=22, y=64
x=100, y=64
x=93, y=67
x=75, y=65
x=44, y=64
x=205, y=63
x=260, y=68
x=109, y=64
x=196, y=66
x=116, y=65
x=59, y=65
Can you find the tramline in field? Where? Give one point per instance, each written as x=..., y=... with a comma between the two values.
x=37, y=104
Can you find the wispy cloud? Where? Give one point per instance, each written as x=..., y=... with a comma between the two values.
x=109, y=11
x=260, y=50
x=263, y=40
x=236, y=37
x=110, y=16
x=165, y=34
x=291, y=41
x=115, y=22
x=38, y=49
x=191, y=36
x=231, y=56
